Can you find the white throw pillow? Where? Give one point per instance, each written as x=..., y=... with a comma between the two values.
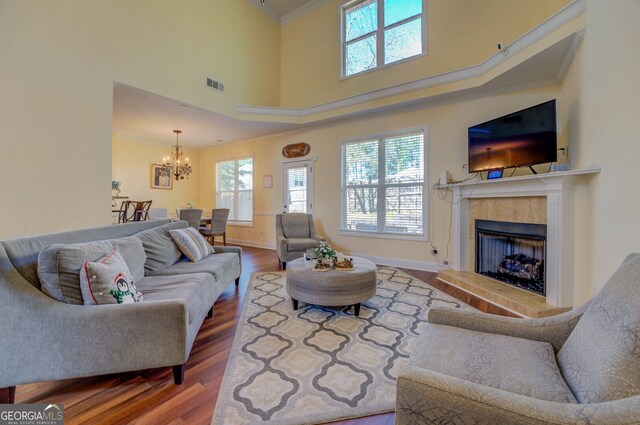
x=191, y=243
x=108, y=281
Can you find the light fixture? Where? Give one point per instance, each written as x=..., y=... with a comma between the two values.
x=173, y=165
x=262, y=1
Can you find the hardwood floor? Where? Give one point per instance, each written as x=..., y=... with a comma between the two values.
x=150, y=396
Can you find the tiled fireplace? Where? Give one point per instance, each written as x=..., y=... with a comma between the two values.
x=537, y=247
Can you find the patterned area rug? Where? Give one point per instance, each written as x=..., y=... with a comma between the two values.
x=321, y=364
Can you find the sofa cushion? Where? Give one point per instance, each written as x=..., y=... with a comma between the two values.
x=108, y=281
x=295, y=225
x=198, y=291
x=515, y=365
x=224, y=267
x=192, y=244
x=601, y=358
x=59, y=265
x=159, y=247
x=301, y=244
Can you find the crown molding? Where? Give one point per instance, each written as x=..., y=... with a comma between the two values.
x=302, y=10
x=266, y=10
x=553, y=23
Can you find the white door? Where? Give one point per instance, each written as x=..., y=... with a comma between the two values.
x=297, y=184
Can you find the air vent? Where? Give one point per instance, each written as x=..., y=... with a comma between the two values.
x=216, y=85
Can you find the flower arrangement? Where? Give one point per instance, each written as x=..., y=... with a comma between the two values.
x=324, y=250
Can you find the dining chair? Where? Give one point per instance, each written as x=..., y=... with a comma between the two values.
x=122, y=212
x=134, y=211
x=218, y=226
x=192, y=216
x=157, y=213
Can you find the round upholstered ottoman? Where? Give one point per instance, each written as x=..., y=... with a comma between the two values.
x=331, y=288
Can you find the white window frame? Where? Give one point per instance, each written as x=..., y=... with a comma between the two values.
x=381, y=160
x=231, y=222
x=379, y=32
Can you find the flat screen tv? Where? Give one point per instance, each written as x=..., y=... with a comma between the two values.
x=520, y=139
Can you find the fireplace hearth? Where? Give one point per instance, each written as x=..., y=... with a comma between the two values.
x=513, y=253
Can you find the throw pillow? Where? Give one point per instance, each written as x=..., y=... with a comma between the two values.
x=192, y=244
x=159, y=247
x=108, y=281
x=59, y=265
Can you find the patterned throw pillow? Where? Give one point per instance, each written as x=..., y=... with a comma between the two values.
x=191, y=243
x=108, y=281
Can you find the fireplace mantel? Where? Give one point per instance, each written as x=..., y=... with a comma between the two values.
x=559, y=190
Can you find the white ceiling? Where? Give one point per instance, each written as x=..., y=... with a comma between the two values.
x=145, y=117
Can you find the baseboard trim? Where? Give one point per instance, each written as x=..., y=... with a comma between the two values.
x=399, y=262
x=254, y=244
x=382, y=261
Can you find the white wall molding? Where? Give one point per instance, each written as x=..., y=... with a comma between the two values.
x=302, y=10
x=547, y=27
x=266, y=10
x=264, y=245
x=400, y=262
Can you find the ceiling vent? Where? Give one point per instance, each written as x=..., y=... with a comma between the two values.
x=213, y=84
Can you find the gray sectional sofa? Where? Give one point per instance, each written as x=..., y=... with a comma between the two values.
x=42, y=338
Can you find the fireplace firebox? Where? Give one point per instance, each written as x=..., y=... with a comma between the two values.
x=513, y=253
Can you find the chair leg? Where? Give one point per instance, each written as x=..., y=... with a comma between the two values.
x=237, y=280
x=178, y=373
x=210, y=313
x=284, y=265
x=224, y=238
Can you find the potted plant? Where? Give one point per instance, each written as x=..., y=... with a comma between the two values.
x=325, y=253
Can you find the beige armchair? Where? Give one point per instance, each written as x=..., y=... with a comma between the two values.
x=582, y=366
x=295, y=233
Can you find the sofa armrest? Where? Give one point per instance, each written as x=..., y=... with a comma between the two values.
x=236, y=249
x=318, y=237
x=424, y=396
x=43, y=339
x=554, y=330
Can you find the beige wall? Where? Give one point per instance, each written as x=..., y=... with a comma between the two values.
x=461, y=33
x=447, y=124
x=602, y=96
x=132, y=167
x=59, y=62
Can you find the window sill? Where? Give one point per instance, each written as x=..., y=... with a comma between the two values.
x=375, y=235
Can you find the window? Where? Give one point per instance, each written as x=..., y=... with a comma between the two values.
x=234, y=188
x=383, y=185
x=380, y=32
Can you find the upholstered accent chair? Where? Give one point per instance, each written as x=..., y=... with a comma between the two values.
x=192, y=216
x=582, y=366
x=295, y=233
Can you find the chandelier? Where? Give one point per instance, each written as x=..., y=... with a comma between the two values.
x=173, y=165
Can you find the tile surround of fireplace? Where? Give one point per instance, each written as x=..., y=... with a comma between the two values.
x=558, y=191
